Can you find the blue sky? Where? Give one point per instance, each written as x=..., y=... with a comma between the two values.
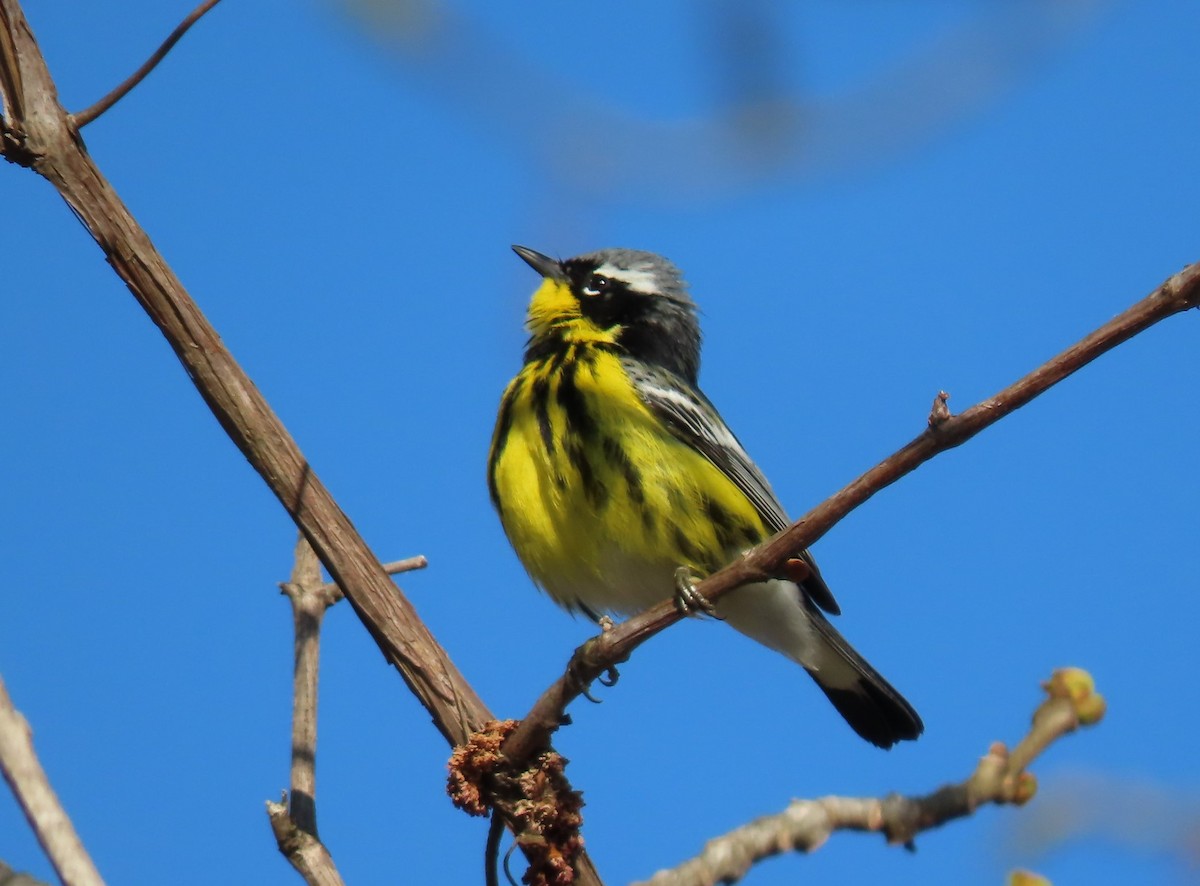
x=341, y=206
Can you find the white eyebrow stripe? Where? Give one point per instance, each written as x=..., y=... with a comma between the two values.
x=635, y=279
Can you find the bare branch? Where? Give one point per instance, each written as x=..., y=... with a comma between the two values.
x=233, y=398
x=396, y=567
x=1000, y=778
x=309, y=599
x=37, y=132
x=408, y=564
x=945, y=431
x=304, y=851
x=294, y=820
x=31, y=787
x=87, y=115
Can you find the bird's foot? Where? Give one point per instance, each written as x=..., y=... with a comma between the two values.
x=580, y=672
x=687, y=599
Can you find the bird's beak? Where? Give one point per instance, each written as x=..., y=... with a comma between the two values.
x=543, y=264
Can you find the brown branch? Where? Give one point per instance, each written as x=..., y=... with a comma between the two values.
x=396, y=567
x=1000, y=778
x=408, y=564
x=31, y=787
x=37, y=132
x=86, y=116
x=233, y=398
x=1180, y=293
x=309, y=599
x=294, y=821
x=303, y=850
x=295, y=824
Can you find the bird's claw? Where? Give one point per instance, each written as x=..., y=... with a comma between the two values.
x=687, y=599
x=608, y=679
x=583, y=684
x=586, y=692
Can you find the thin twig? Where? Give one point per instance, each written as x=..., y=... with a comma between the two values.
x=491, y=851
x=396, y=567
x=46, y=816
x=408, y=564
x=295, y=826
x=1000, y=777
x=310, y=600
x=87, y=115
x=945, y=431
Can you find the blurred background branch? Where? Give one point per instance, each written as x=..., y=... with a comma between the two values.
x=759, y=122
x=1136, y=814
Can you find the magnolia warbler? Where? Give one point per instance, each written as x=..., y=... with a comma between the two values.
x=611, y=471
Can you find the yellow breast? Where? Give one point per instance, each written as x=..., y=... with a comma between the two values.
x=599, y=500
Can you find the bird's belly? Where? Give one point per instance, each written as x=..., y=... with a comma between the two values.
x=603, y=519
x=606, y=555
x=626, y=583
x=617, y=552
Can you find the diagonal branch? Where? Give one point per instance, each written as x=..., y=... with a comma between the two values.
x=87, y=115
x=235, y=401
x=1178, y=294
x=44, y=138
x=805, y=826
x=25, y=776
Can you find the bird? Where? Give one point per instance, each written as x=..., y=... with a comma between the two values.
x=617, y=482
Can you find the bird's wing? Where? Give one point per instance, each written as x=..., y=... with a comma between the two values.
x=695, y=421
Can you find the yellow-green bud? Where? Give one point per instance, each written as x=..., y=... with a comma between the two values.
x=1077, y=685
x=1025, y=788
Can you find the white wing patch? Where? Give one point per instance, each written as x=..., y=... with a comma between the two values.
x=703, y=426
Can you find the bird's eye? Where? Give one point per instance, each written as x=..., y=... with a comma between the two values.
x=597, y=285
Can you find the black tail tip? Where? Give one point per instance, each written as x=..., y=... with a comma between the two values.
x=880, y=717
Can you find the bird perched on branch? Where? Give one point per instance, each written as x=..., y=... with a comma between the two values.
x=617, y=482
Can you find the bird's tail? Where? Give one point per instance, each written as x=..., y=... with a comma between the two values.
x=779, y=615
x=870, y=704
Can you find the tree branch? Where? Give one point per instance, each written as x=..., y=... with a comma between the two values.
x=233, y=398
x=31, y=787
x=37, y=132
x=310, y=598
x=1179, y=293
x=303, y=850
x=1000, y=778
x=294, y=821
x=396, y=567
x=86, y=116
